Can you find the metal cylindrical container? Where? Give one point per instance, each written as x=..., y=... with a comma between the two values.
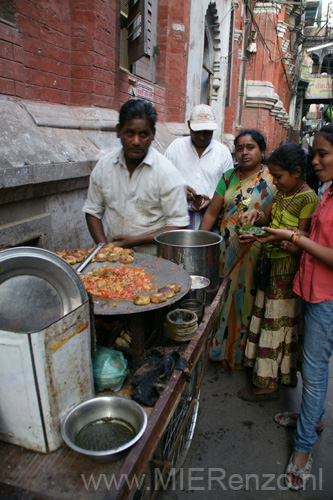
x=197, y=252
x=193, y=305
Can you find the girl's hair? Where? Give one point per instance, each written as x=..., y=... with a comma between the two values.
x=256, y=136
x=135, y=108
x=289, y=157
x=327, y=132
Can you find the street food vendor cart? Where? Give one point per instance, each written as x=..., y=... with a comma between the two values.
x=64, y=474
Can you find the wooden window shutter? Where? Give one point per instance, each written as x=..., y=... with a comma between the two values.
x=139, y=29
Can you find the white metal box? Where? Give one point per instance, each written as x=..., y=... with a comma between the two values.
x=43, y=376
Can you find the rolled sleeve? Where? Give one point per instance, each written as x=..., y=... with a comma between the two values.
x=94, y=204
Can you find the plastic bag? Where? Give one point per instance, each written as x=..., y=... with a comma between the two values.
x=110, y=369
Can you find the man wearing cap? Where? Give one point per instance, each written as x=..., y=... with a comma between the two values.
x=201, y=160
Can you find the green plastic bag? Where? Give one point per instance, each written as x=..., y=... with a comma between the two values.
x=110, y=369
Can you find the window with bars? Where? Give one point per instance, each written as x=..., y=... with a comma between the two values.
x=138, y=36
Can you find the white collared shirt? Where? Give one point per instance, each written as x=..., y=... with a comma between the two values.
x=201, y=173
x=152, y=198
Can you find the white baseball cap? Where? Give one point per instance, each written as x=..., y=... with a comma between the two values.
x=202, y=118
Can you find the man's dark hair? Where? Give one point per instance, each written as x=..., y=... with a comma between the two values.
x=136, y=108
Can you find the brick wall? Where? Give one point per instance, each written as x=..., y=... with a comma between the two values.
x=264, y=66
x=67, y=52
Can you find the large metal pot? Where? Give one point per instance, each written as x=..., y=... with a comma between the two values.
x=197, y=252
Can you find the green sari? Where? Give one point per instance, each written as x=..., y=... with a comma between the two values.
x=238, y=261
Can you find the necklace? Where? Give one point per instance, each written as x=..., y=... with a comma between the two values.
x=282, y=198
x=246, y=201
x=275, y=250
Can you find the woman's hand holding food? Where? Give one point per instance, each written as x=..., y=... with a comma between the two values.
x=248, y=217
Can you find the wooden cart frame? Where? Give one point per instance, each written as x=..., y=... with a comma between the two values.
x=161, y=449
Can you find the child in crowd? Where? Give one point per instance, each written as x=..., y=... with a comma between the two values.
x=272, y=345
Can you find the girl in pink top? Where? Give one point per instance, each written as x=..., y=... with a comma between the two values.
x=313, y=283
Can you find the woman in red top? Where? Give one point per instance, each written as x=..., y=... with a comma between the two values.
x=313, y=283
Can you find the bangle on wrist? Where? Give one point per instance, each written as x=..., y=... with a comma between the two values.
x=295, y=237
x=291, y=239
x=258, y=216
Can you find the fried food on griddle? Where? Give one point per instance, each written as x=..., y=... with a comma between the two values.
x=126, y=259
x=79, y=256
x=127, y=251
x=158, y=298
x=167, y=291
x=70, y=259
x=108, y=246
x=113, y=257
x=100, y=257
x=141, y=300
x=176, y=288
x=117, y=250
x=61, y=253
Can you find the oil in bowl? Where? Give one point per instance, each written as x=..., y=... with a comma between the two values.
x=105, y=434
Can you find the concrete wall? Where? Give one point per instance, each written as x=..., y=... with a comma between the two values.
x=47, y=154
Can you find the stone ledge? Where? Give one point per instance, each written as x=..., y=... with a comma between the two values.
x=37, y=174
x=61, y=116
x=18, y=232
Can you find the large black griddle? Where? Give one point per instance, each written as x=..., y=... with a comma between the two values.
x=163, y=272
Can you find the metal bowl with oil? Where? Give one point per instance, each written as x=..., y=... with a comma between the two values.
x=104, y=428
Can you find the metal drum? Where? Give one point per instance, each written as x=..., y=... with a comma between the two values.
x=197, y=252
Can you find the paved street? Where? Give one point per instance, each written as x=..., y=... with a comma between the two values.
x=234, y=439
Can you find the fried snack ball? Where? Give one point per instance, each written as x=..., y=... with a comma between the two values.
x=117, y=250
x=141, y=300
x=127, y=251
x=70, y=259
x=79, y=256
x=113, y=257
x=176, y=288
x=158, y=298
x=100, y=257
x=167, y=291
x=108, y=246
x=126, y=259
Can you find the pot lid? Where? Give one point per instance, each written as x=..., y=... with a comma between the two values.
x=37, y=288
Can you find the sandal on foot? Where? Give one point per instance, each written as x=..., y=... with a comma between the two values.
x=289, y=419
x=303, y=473
x=248, y=395
x=286, y=419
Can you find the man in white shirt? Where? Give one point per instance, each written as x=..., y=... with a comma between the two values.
x=201, y=160
x=135, y=188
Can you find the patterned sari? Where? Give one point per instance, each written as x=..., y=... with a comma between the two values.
x=273, y=342
x=238, y=261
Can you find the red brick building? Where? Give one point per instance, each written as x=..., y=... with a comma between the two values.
x=265, y=41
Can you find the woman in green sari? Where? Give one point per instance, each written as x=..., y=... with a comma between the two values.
x=248, y=186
